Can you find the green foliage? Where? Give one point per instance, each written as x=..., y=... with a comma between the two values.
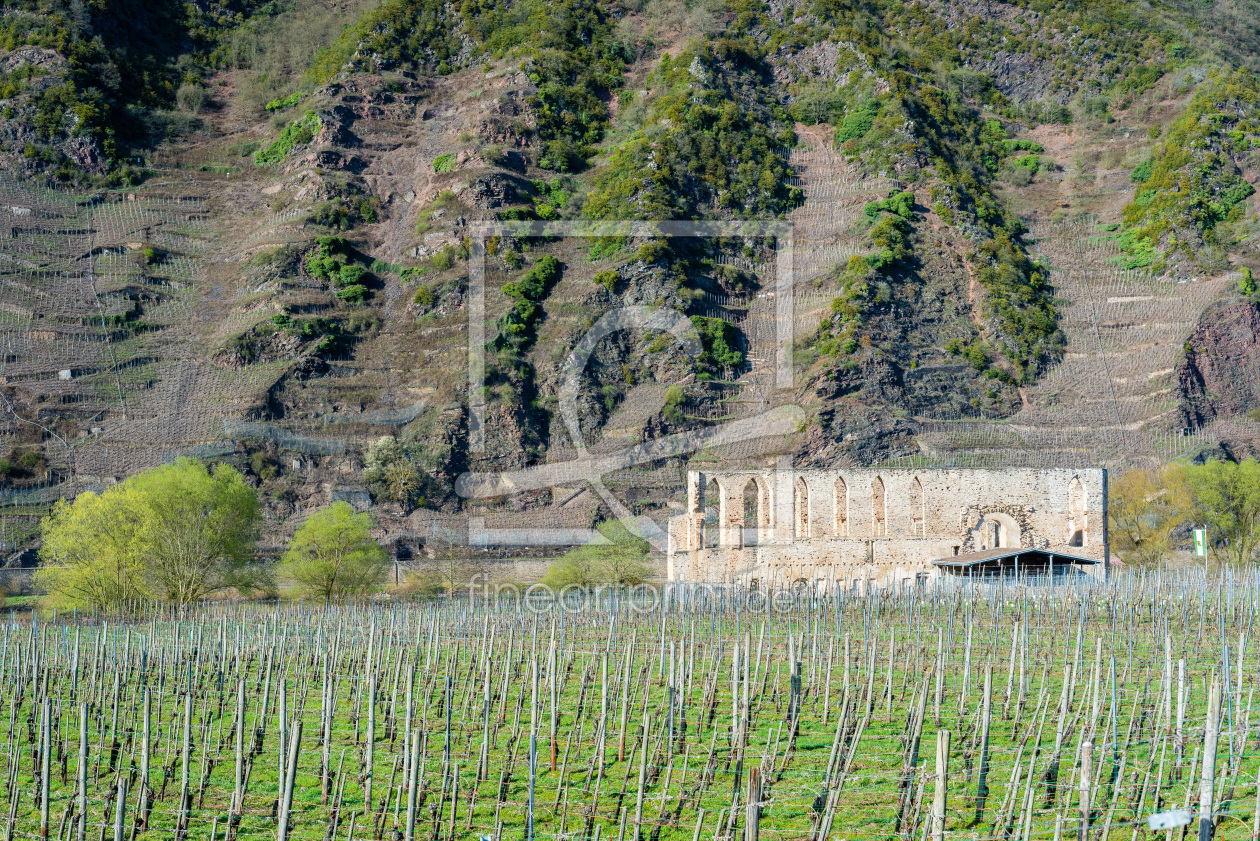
x=516, y=326
x=1247, y=283
x=424, y=297
x=572, y=55
x=444, y=163
x=858, y=122
x=1032, y=163
x=1010, y=147
x=333, y=556
x=815, y=103
x=675, y=397
x=891, y=238
x=330, y=260
x=1142, y=172
x=172, y=534
x=355, y=293
x=1226, y=499
x=1139, y=251
x=397, y=32
x=263, y=465
x=297, y=133
x=328, y=333
x=391, y=472
x=898, y=204
x=1191, y=185
x=349, y=276
x=719, y=338
x=341, y=214
x=576, y=59
x=607, y=279
x=836, y=333
x=1019, y=303
x=622, y=561
x=702, y=147
x=287, y=102
x=494, y=155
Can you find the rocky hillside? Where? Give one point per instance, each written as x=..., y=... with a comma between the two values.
x=391, y=251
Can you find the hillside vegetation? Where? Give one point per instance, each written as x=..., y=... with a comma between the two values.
x=317, y=176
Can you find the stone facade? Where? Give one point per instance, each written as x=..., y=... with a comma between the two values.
x=877, y=527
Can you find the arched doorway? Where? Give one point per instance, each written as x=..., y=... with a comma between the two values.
x=997, y=531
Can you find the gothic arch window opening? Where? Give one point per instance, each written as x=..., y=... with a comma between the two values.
x=878, y=508
x=802, y=508
x=918, y=519
x=840, y=498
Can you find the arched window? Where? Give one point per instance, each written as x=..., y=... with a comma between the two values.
x=917, y=519
x=752, y=512
x=879, y=519
x=840, y=498
x=802, y=508
x=712, y=512
x=1078, y=516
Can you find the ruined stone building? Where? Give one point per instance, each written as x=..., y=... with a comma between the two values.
x=887, y=527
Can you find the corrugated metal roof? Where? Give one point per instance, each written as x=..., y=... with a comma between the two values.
x=1038, y=555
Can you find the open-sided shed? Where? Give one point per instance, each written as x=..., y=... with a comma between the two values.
x=996, y=563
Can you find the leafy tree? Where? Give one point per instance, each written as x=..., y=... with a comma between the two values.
x=391, y=473
x=621, y=561
x=1226, y=499
x=1146, y=507
x=333, y=555
x=175, y=534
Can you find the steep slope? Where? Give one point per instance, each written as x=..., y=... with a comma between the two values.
x=1002, y=231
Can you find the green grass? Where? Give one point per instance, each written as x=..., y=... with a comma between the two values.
x=422, y=645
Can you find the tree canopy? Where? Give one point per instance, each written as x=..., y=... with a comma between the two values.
x=175, y=533
x=333, y=555
x=623, y=560
x=1149, y=508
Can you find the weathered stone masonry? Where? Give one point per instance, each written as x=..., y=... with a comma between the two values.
x=845, y=528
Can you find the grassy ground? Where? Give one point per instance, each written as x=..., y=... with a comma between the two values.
x=847, y=705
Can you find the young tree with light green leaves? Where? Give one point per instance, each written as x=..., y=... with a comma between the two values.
x=622, y=561
x=173, y=534
x=1227, y=501
x=334, y=557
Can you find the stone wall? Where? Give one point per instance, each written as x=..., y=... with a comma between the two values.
x=840, y=527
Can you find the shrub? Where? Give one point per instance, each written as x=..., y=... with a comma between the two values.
x=674, y=398
x=858, y=122
x=622, y=561
x=297, y=133
x=287, y=102
x=350, y=275
x=444, y=163
x=190, y=97
x=718, y=338
x=354, y=294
